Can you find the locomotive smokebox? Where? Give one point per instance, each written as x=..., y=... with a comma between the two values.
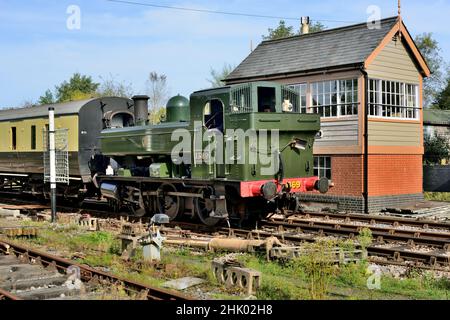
x=140, y=110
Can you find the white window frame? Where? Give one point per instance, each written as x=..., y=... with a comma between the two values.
x=339, y=103
x=297, y=87
x=323, y=169
x=403, y=107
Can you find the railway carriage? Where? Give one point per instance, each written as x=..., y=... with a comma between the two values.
x=22, y=134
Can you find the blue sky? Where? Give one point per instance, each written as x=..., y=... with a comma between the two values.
x=37, y=51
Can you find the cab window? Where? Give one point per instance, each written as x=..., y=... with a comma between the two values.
x=266, y=99
x=213, y=115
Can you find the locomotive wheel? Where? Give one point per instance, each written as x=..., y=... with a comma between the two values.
x=170, y=205
x=138, y=212
x=203, y=208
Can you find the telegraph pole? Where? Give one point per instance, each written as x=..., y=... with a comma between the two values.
x=52, y=156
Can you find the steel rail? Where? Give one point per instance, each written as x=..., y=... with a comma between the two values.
x=400, y=254
x=441, y=240
x=377, y=219
x=395, y=254
x=377, y=260
x=395, y=222
x=5, y=295
x=88, y=273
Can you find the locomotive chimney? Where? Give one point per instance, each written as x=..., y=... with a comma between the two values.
x=140, y=110
x=305, y=25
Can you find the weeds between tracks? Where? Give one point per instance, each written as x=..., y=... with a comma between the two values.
x=311, y=277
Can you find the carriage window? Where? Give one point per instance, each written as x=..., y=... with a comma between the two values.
x=213, y=115
x=266, y=99
x=33, y=137
x=13, y=138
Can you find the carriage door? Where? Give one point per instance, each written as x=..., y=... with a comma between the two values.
x=214, y=124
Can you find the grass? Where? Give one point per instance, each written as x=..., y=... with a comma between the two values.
x=311, y=277
x=437, y=196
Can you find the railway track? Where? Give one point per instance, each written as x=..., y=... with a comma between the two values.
x=407, y=254
x=377, y=219
x=381, y=234
x=396, y=239
x=28, y=274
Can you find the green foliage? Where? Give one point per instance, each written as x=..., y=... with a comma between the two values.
x=97, y=237
x=352, y=274
x=443, y=97
x=431, y=51
x=284, y=31
x=110, y=87
x=157, y=115
x=281, y=31
x=99, y=260
x=318, y=265
x=273, y=288
x=365, y=238
x=437, y=196
x=316, y=27
x=418, y=285
x=115, y=248
x=218, y=76
x=437, y=149
x=83, y=87
x=47, y=98
x=78, y=87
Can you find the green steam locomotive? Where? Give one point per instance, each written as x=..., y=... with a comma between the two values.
x=238, y=152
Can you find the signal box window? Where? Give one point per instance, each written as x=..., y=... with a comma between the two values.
x=322, y=167
x=33, y=137
x=266, y=99
x=13, y=138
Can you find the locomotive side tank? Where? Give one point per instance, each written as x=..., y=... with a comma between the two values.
x=244, y=151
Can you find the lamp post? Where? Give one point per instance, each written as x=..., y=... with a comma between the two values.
x=52, y=156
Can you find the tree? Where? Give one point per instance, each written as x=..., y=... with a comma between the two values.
x=47, y=98
x=27, y=104
x=443, y=98
x=156, y=115
x=437, y=149
x=430, y=49
x=316, y=27
x=79, y=87
x=283, y=31
x=157, y=90
x=110, y=87
x=218, y=76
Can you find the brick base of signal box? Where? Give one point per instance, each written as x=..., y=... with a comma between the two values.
x=394, y=181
